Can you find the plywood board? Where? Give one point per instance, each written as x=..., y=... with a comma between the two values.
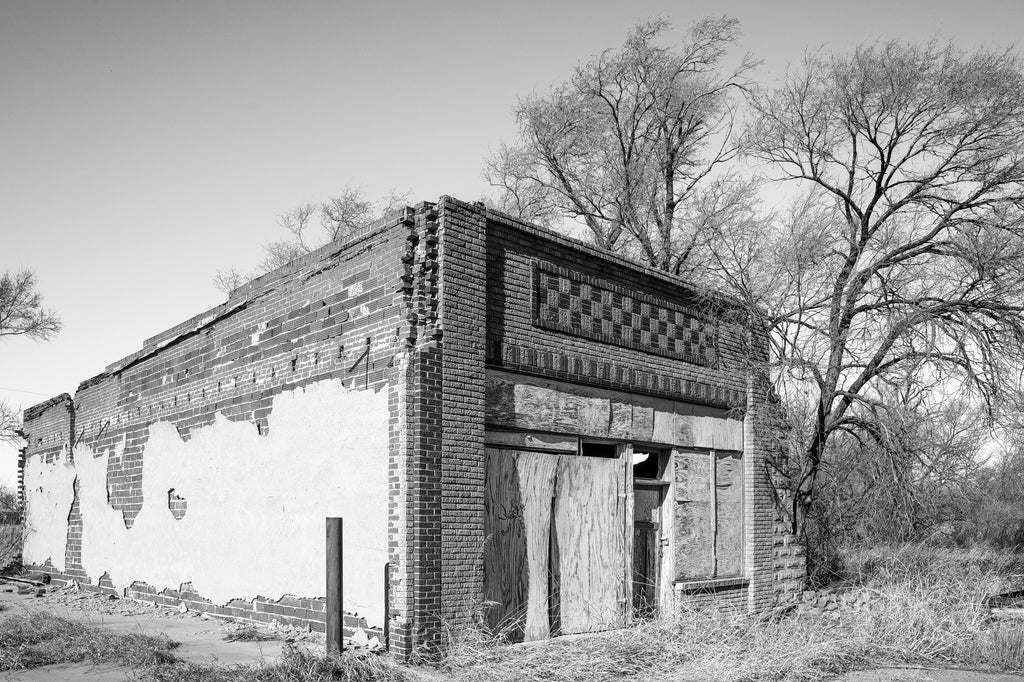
x=621, y=425
x=693, y=516
x=516, y=401
x=506, y=570
x=531, y=403
x=729, y=503
x=643, y=422
x=693, y=477
x=716, y=433
x=537, y=482
x=588, y=511
x=556, y=543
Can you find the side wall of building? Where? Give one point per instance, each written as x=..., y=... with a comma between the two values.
x=200, y=470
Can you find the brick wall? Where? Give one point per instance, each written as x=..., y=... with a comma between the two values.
x=49, y=427
x=340, y=313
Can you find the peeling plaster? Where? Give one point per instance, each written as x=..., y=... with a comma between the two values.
x=49, y=492
x=256, y=504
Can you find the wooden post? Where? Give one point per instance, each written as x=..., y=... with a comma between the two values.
x=335, y=585
x=625, y=452
x=387, y=606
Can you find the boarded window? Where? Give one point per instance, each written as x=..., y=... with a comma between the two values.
x=729, y=512
x=708, y=515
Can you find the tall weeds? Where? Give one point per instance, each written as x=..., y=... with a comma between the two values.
x=908, y=603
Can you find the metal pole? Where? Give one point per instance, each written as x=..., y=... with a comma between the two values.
x=335, y=587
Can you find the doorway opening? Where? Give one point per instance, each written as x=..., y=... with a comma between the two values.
x=649, y=490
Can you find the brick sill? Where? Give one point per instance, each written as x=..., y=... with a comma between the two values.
x=709, y=585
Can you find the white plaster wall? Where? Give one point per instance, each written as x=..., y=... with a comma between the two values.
x=49, y=492
x=256, y=504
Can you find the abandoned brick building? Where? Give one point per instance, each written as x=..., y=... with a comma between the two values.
x=499, y=414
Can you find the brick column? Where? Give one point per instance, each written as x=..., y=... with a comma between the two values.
x=463, y=316
x=758, y=517
x=414, y=525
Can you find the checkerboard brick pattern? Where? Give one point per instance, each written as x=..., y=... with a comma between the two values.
x=584, y=306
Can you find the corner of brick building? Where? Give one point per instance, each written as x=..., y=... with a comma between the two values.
x=438, y=474
x=781, y=562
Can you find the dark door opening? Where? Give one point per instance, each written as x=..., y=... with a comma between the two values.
x=647, y=499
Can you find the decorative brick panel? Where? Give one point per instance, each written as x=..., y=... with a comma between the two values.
x=573, y=303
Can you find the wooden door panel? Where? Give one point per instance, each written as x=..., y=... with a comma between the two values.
x=506, y=572
x=556, y=546
x=589, y=506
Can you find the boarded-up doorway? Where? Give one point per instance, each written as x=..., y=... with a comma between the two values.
x=556, y=547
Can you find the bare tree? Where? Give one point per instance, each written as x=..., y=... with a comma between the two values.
x=339, y=217
x=22, y=314
x=910, y=481
x=905, y=248
x=996, y=516
x=21, y=308
x=10, y=423
x=634, y=146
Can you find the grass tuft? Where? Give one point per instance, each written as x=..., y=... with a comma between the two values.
x=249, y=633
x=296, y=665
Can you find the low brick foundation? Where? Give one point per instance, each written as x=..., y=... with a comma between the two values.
x=300, y=612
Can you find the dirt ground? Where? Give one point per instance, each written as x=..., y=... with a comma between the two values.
x=202, y=638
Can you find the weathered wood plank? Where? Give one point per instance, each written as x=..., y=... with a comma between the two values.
x=667, y=570
x=530, y=440
x=530, y=403
x=621, y=420
x=729, y=502
x=523, y=402
x=537, y=481
x=588, y=510
x=664, y=423
x=506, y=570
x=717, y=434
x=643, y=422
x=693, y=516
x=626, y=457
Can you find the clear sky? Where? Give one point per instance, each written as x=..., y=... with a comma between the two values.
x=144, y=145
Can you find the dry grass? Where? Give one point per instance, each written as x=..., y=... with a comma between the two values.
x=296, y=665
x=926, y=607
x=929, y=603
x=35, y=639
x=30, y=640
x=691, y=647
x=250, y=633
